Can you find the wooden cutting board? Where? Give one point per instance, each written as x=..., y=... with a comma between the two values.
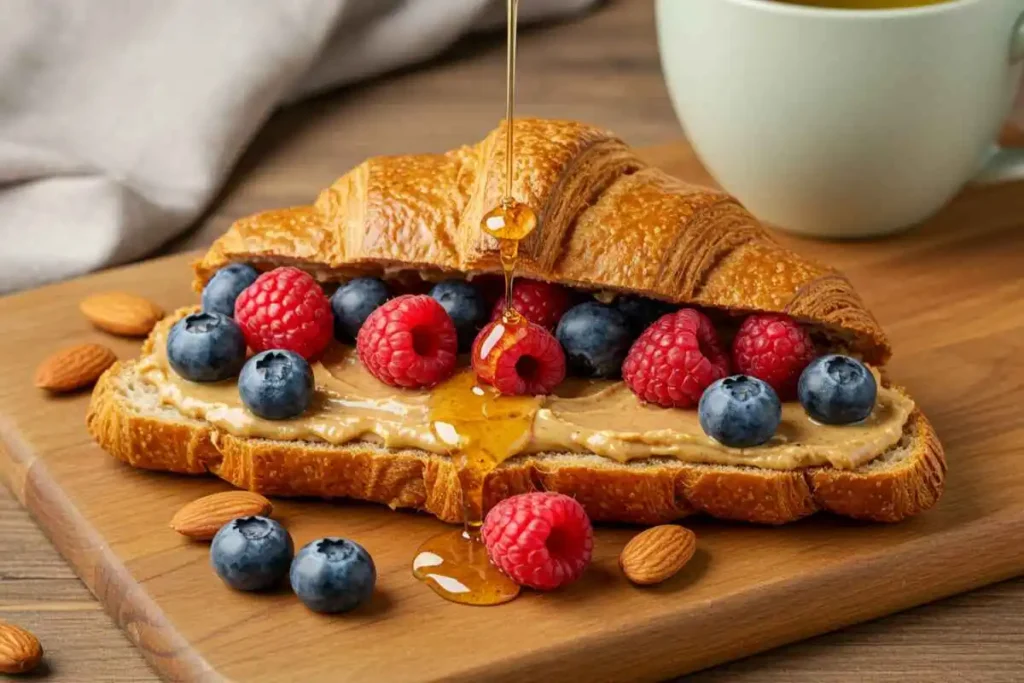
x=950, y=294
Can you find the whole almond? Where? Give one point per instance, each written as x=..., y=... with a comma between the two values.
x=657, y=553
x=20, y=651
x=202, y=519
x=74, y=367
x=121, y=313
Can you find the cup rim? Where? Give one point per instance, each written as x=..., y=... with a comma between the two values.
x=854, y=14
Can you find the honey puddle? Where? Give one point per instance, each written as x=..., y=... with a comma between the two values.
x=456, y=566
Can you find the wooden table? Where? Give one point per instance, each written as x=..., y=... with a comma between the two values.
x=603, y=69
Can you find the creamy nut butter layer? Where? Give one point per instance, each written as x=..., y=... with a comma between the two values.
x=584, y=416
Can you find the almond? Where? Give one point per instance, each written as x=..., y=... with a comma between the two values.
x=120, y=313
x=74, y=367
x=202, y=519
x=20, y=651
x=657, y=553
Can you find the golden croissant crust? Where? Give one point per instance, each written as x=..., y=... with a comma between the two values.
x=607, y=221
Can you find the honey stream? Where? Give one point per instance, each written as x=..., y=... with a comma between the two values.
x=481, y=426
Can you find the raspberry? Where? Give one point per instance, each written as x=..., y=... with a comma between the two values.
x=775, y=349
x=541, y=540
x=409, y=342
x=518, y=359
x=675, y=360
x=285, y=309
x=542, y=303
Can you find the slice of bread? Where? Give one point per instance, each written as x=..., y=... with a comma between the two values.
x=127, y=419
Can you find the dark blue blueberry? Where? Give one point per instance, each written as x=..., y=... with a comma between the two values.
x=596, y=339
x=220, y=292
x=641, y=311
x=251, y=553
x=206, y=347
x=837, y=390
x=333, y=575
x=353, y=303
x=276, y=384
x=739, y=411
x=465, y=306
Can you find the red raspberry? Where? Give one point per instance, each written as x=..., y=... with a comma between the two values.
x=773, y=348
x=518, y=359
x=409, y=342
x=539, y=302
x=541, y=540
x=285, y=309
x=675, y=359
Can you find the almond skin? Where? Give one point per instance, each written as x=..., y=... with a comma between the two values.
x=121, y=313
x=202, y=519
x=20, y=651
x=74, y=367
x=656, y=554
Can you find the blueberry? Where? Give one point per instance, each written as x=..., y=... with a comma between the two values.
x=465, y=306
x=251, y=553
x=353, y=303
x=596, y=339
x=837, y=390
x=206, y=347
x=641, y=311
x=224, y=287
x=333, y=575
x=739, y=411
x=276, y=384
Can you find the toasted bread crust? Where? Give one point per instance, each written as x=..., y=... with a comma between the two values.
x=649, y=491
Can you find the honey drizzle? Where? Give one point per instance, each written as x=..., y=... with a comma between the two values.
x=510, y=92
x=482, y=427
x=509, y=250
x=510, y=223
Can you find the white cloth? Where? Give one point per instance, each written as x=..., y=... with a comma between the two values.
x=119, y=119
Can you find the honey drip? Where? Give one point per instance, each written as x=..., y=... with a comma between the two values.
x=482, y=428
x=479, y=425
x=510, y=223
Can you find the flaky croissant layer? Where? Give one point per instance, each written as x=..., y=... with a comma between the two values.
x=607, y=221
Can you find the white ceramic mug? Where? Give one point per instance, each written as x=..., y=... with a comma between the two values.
x=844, y=123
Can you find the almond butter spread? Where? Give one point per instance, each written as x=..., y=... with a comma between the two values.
x=598, y=417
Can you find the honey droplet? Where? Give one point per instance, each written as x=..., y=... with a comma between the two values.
x=510, y=220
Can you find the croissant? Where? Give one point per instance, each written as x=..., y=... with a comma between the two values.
x=606, y=220
x=608, y=223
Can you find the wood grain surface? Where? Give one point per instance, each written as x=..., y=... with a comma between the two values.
x=604, y=69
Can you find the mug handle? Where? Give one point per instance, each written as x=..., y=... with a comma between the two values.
x=1004, y=164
